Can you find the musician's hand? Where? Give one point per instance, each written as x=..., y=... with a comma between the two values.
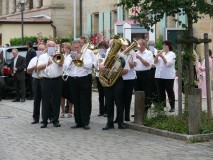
x=78, y=56
x=60, y=65
x=49, y=62
x=137, y=56
x=160, y=53
x=102, y=68
x=100, y=60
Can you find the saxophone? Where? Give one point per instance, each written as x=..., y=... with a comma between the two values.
x=114, y=64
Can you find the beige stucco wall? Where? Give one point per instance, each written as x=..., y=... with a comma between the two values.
x=60, y=12
x=14, y=30
x=204, y=25
x=94, y=6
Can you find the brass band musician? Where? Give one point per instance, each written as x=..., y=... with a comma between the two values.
x=51, y=85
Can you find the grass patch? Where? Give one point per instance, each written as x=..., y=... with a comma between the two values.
x=174, y=124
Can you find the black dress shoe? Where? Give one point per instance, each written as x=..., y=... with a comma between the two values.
x=34, y=122
x=30, y=98
x=22, y=100
x=122, y=126
x=44, y=126
x=56, y=124
x=87, y=127
x=76, y=126
x=105, y=115
x=42, y=122
x=108, y=127
x=172, y=110
x=16, y=100
x=115, y=121
x=127, y=119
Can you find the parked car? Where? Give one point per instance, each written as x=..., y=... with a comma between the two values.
x=5, y=75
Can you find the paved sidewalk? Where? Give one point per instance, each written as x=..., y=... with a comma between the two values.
x=19, y=140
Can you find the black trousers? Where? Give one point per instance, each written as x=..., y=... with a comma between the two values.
x=143, y=84
x=128, y=90
x=101, y=97
x=166, y=85
x=114, y=94
x=153, y=86
x=37, y=98
x=30, y=84
x=81, y=93
x=51, y=98
x=19, y=86
x=90, y=92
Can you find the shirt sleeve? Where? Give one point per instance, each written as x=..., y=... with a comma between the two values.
x=170, y=59
x=87, y=59
x=67, y=62
x=32, y=63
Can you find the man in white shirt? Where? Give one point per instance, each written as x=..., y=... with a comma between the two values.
x=51, y=73
x=81, y=85
x=114, y=95
x=143, y=65
x=32, y=69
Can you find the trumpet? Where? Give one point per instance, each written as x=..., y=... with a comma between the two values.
x=156, y=53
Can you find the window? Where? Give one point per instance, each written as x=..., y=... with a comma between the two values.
x=41, y=1
x=31, y=4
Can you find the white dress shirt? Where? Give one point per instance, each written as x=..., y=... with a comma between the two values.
x=66, y=68
x=32, y=63
x=51, y=71
x=91, y=53
x=74, y=71
x=166, y=71
x=131, y=73
x=147, y=56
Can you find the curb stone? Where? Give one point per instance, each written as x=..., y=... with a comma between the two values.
x=164, y=133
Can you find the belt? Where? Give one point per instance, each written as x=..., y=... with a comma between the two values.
x=79, y=77
x=52, y=78
x=142, y=71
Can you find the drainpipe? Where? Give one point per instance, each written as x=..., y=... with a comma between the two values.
x=81, y=28
x=74, y=19
x=54, y=30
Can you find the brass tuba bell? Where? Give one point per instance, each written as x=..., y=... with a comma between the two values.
x=58, y=58
x=133, y=45
x=113, y=63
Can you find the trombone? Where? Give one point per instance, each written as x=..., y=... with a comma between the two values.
x=79, y=62
x=58, y=58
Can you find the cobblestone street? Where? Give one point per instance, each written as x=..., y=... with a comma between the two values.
x=19, y=140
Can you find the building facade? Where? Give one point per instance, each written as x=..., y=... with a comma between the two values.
x=106, y=18
x=53, y=18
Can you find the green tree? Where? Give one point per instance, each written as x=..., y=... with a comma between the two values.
x=152, y=11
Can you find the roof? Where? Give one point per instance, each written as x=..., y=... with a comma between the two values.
x=26, y=20
x=130, y=22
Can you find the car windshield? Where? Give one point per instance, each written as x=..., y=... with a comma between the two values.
x=9, y=55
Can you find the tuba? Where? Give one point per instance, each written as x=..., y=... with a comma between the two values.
x=58, y=58
x=114, y=64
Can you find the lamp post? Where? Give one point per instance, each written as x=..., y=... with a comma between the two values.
x=22, y=3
